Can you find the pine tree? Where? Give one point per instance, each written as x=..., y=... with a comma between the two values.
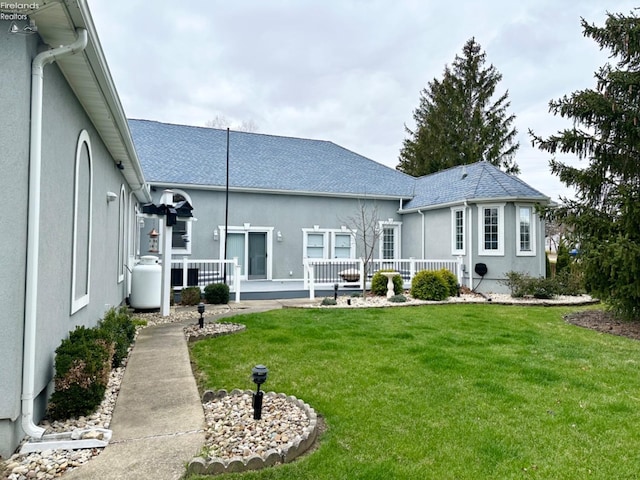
x=458, y=122
x=604, y=216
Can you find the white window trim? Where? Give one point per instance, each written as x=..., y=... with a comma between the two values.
x=481, y=250
x=325, y=240
x=532, y=233
x=83, y=300
x=397, y=226
x=454, y=250
x=352, y=236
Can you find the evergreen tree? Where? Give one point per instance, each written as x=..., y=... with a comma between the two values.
x=458, y=122
x=605, y=214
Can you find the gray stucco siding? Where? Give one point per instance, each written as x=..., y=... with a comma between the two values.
x=284, y=213
x=15, y=55
x=63, y=120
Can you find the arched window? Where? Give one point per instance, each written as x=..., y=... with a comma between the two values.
x=82, y=224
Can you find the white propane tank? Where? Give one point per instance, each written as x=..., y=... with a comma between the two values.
x=146, y=284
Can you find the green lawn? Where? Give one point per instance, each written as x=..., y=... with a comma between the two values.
x=444, y=391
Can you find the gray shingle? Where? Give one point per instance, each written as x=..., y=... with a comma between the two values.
x=188, y=155
x=476, y=181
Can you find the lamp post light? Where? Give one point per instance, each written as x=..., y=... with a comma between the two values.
x=259, y=376
x=335, y=291
x=201, y=312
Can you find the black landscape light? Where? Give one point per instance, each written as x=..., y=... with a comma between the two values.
x=335, y=291
x=259, y=376
x=201, y=311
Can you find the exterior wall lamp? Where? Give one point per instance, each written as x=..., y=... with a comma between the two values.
x=259, y=376
x=279, y=236
x=111, y=197
x=215, y=235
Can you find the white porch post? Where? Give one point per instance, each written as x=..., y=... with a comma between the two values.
x=236, y=278
x=167, y=234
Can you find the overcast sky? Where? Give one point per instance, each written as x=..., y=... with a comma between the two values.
x=347, y=71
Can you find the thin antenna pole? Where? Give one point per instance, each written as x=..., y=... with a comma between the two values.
x=226, y=210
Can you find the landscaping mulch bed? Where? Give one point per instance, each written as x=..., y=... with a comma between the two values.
x=605, y=322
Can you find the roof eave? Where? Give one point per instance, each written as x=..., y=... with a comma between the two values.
x=512, y=199
x=307, y=193
x=89, y=76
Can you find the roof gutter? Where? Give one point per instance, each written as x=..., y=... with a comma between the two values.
x=33, y=226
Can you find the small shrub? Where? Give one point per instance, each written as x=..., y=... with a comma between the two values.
x=328, y=301
x=190, y=296
x=520, y=284
x=570, y=281
x=451, y=280
x=217, y=293
x=379, y=283
x=429, y=285
x=119, y=329
x=83, y=362
x=356, y=295
x=543, y=288
x=398, y=299
x=138, y=322
x=517, y=283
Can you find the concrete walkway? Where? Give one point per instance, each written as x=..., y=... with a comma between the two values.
x=158, y=421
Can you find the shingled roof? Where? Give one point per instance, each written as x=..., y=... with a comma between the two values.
x=479, y=181
x=188, y=155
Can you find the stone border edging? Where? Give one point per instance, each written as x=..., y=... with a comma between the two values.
x=233, y=328
x=489, y=301
x=290, y=451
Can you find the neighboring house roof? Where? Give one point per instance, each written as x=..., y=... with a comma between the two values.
x=479, y=181
x=187, y=155
x=89, y=77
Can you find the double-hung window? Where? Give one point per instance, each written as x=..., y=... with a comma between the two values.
x=525, y=230
x=458, y=230
x=315, y=244
x=491, y=229
x=328, y=243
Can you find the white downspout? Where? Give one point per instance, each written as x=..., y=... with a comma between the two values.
x=469, y=213
x=423, y=236
x=33, y=227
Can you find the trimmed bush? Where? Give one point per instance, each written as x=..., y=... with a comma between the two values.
x=520, y=285
x=216, y=293
x=379, y=283
x=429, y=285
x=83, y=362
x=398, y=299
x=119, y=329
x=451, y=280
x=328, y=301
x=190, y=296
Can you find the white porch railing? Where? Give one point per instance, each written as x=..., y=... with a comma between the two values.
x=200, y=273
x=326, y=273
